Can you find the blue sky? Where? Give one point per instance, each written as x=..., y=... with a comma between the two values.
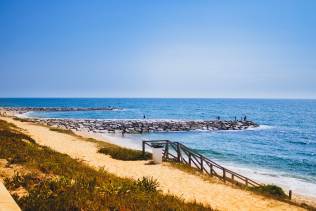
x=231, y=49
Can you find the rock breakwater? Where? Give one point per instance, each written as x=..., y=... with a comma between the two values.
x=144, y=126
x=21, y=110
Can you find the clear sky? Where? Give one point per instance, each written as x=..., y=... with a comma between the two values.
x=234, y=49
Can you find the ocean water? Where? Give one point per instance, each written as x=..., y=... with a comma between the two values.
x=281, y=151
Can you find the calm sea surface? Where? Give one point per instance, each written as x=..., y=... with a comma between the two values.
x=281, y=151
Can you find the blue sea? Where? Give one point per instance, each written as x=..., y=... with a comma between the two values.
x=281, y=151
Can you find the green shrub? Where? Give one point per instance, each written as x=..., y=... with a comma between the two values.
x=60, y=130
x=271, y=190
x=22, y=119
x=121, y=153
x=18, y=180
x=12, y=134
x=148, y=184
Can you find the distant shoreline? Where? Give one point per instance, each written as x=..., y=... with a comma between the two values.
x=159, y=98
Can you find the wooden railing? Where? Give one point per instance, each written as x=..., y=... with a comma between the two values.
x=175, y=151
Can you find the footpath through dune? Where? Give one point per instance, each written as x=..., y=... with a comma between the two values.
x=172, y=181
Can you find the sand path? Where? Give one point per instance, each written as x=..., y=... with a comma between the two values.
x=173, y=181
x=7, y=203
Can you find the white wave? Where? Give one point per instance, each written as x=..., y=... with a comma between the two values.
x=261, y=127
x=279, y=178
x=25, y=115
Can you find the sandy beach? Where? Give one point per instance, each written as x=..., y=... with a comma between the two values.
x=172, y=181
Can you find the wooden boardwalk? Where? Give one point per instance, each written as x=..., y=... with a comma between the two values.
x=178, y=152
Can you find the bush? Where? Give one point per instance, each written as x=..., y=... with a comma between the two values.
x=148, y=184
x=60, y=130
x=121, y=153
x=271, y=190
x=18, y=180
x=11, y=134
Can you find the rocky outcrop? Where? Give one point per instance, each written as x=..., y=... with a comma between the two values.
x=144, y=126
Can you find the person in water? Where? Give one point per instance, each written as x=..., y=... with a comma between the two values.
x=144, y=116
x=245, y=118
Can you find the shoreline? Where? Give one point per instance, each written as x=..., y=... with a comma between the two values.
x=260, y=175
x=255, y=173
x=266, y=176
x=171, y=180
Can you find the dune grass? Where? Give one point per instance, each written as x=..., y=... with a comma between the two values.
x=121, y=153
x=270, y=190
x=60, y=130
x=67, y=184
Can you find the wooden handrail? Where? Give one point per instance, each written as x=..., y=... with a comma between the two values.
x=189, y=157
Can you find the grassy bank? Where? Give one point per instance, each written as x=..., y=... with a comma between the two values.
x=57, y=182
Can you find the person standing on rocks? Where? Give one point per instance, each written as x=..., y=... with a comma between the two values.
x=245, y=118
x=123, y=131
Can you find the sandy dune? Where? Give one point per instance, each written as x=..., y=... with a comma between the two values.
x=173, y=181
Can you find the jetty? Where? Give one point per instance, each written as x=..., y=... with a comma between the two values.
x=21, y=110
x=132, y=126
x=144, y=126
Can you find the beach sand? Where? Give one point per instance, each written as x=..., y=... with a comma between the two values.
x=172, y=181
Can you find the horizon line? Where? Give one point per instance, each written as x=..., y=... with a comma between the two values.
x=232, y=98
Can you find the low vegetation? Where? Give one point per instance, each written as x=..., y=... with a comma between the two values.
x=121, y=153
x=58, y=182
x=267, y=190
x=184, y=167
x=60, y=130
x=21, y=119
x=271, y=190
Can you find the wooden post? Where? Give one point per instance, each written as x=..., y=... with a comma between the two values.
x=144, y=148
x=290, y=194
x=246, y=181
x=211, y=169
x=201, y=163
x=224, y=175
x=190, y=159
x=233, y=177
x=167, y=151
x=178, y=152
